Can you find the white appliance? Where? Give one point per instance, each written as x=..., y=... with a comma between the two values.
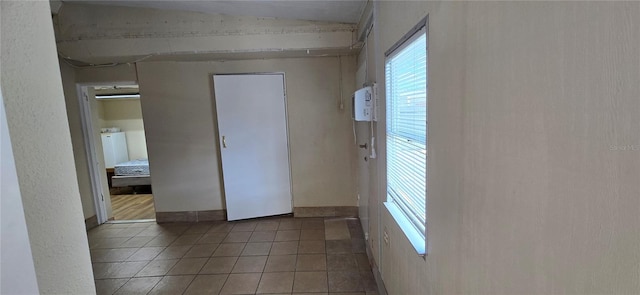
x=114, y=148
x=364, y=104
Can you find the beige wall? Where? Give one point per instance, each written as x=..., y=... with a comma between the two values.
x=39, y=131
x=17, y=272
x=119, y=73
x=126, y=114
x=529, y=190
x=177, y=104
x=181, y=134
x=77, y=139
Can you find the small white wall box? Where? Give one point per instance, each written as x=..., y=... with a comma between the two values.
x=363, y=104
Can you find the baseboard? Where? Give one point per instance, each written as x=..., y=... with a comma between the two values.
x=382, y=290
x=91, y=222
x=220, y=215
x=335, y=211
x=191, y=216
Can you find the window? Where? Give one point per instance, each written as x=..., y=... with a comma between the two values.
x=406, y=134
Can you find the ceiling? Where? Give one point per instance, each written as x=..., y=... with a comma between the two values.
x=345, y=11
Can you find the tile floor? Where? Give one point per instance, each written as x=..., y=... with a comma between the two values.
x=261, y=256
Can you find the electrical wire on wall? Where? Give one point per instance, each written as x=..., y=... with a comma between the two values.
x=340, y=82
x=372, y=155
x=355, y=136
x=365, y=84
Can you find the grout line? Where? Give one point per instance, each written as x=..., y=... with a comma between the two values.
x=262, y=273
x=161, y=277
x=191, y=282
x=116, y=291
x=134, y=275
x=192, y=245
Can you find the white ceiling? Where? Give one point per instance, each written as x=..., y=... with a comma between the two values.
x=345, y=11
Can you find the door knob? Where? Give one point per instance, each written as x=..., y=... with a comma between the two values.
x=224, y=142
x=363, y=146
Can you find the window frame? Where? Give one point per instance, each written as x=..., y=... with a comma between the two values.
x=413, y=233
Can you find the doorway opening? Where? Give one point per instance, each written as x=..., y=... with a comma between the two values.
x=117, y=151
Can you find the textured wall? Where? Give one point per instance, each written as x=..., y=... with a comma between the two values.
x=17, y=273
x=177, y=104
x=77, y=139
x=534, y=149
x=41, y=143
x=120, y=73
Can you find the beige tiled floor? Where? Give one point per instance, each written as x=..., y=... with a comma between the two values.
x=262, y=256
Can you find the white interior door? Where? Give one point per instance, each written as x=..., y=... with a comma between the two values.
x=254, y=147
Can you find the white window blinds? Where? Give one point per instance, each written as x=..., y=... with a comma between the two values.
x=406, y=90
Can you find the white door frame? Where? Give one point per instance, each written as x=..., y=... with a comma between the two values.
x=93, y=160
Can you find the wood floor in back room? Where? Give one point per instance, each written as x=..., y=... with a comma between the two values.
x=132, y=207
